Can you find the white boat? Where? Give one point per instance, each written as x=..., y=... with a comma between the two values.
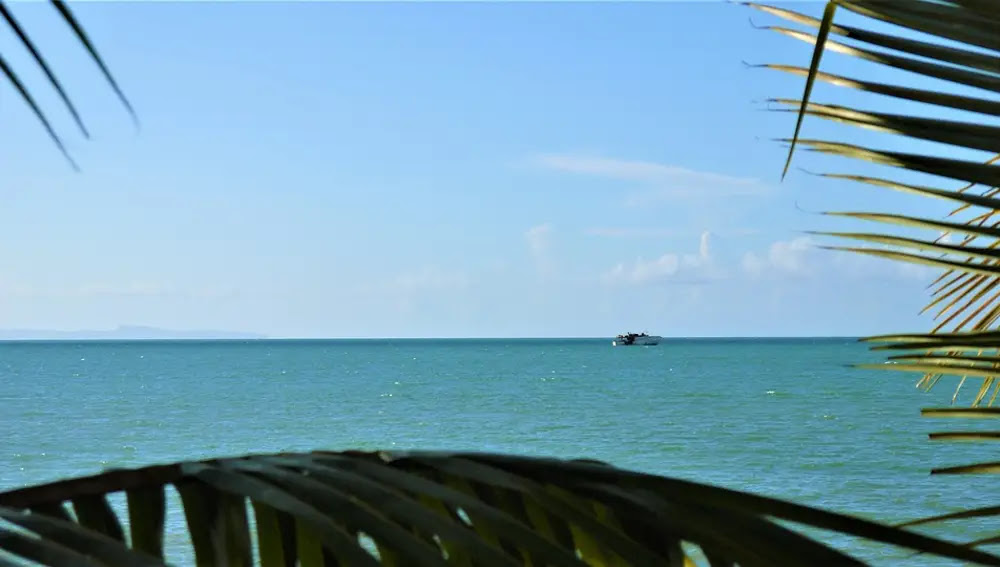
x=636, y=339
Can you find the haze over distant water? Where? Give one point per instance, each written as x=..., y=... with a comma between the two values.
x=122, y=332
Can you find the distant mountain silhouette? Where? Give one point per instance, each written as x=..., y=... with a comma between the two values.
x=123, y=332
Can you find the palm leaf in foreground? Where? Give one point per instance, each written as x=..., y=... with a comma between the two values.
x=963, y=50
x=424, y=508
x=8, y=72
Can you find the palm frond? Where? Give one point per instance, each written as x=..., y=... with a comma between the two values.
x=966, y=298
x=423, y=508
x=78, y=30
x=958, y=42
x=14, y=77
x=30, y=46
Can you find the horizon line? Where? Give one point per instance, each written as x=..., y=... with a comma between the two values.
x=402, y=338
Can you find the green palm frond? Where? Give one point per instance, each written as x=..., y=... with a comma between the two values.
x=423, y=508
x=959, y=44
x=11, y=74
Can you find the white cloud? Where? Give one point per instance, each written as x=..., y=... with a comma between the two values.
x=639, y=232
x=788, y=257
x=801, y=257
x=703, y=252
x=649, y=172
x=539, y=243
x=668, y=268
x=662, y=181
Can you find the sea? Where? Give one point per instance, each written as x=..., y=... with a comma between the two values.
x=788, y=418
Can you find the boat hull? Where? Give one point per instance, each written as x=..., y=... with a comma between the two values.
x=639, y=341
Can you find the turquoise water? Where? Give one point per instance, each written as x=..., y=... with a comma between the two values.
x=783, y=417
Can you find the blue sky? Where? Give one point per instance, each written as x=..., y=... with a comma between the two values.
x=501, y=169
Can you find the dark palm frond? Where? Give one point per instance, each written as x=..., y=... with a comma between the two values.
x=959, y=44
x=11, y=74
x=423, y=508
x=30, y=46
x=78, y=30
x=965, y=342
